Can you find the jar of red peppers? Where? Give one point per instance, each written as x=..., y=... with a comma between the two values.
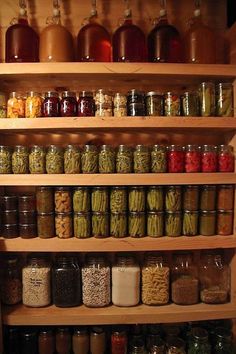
x=119, y=342
x=51, y=104
x=175, y=157
x=68, y=104
x=209, y=158
x=226, y=158
x=192, y=158
x=86, y=104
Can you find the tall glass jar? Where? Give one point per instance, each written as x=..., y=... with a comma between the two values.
x=62, y=200
x=207, y=223
x=11, y=340
x=172, y=104
x=89, y=159
x=155, y=280
x=191, y=198
x=173, y=223
x=100, y=225
x=97, y=341
x=135, y=103
x=16, y=105
x=33, y=105
x=20, y=160
x=63, y=340
x=46, y=341
x=224, y=99
x=199, y=341
x=54, y=160
x=51, y=104
x=44, y=200
x=106, y=159
x=37, y=160
x=68, y=104
x=11, y=283
x=175, y=159
x=192, y=158
x=190, y=223
x=224, y=222
x=86, y=104
x=5, y=160
x=154, y=103
x=137, y=199
x=223, y=341
x=63, y=225
x=208, y=197
x=80, y=341
x=82, y=225
x=45, y=225
x=3, y=105
x=155, y=198
x=124, y=159
x=207, y=99
x=158, y=159
x=125, y=281
x=120, y=105
x=225, y=197
x=72, y=159
x=155, y=223
x=190, y=104
x=118, y=199
x=100, y=199
x=175, y=345
x=119, y=342
x=103, y=103
x=137, y=224
x=81, y=200
x=226, y=158
x=118, y=224
x=173, y=198
x=141, y=159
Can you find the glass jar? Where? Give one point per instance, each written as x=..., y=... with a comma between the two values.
x=82, y=225
x=103, y=103
x=9, y=231
x=11, y=285
x=137, y=199
x=36, y=279
x=225, y=197
x=81, y=200
x=223, y=341
x=173, y=198
x=141, y=159
x=44, y=199
x=124, y=159
x=29, y=341
x=118, y=224
x=172, y=104
x=96, y=283
x=68, y=104
x=207, y=99
x=125, y=281
x=175, y=159
x=33, y=105
x=158, y=347
x=224, y=222
x=137, y=224
x=209, y=158
x=199, y=341
x=27, y=230
x=20, y=160
x=120, y=105
x=226, y=158
x=26, y=217
x=97, y=341
x=175, y=345
x=173, y=223
x=51, y=104
x=3, y=105
x=72, y=159
x=155, y=223
x=66, y=282
x=8, y=202
x=135, y=103
x=208, y=197
x=86, y=104
x=224, y=99
x=80, y=341
x=54, y=160
x=5, y=160
x=214, y=279
x=137, y=347
x=37, y=160
x=155, y=198
x=63, y=340
x=100, y=199
x=9, y=217
x=16, y=105
x=62, y=200
x=191, y=198
x=184, y=281
x=190, y=104
x=207, y=223
x=46, y=342
x=118, y=199
x=192, y=158
x=158, y=159
x=45, y=225
x=100, y=225
x=119, y=342
x=11, y=341
x=89, y=159
x=106, y=159
x=190, y=223
x=155, y=280
x=26, y=202
x=154, y=104
x=63, y=225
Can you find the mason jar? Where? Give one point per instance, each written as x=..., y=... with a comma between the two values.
x=137, y=224
x=20, y=160
x=63, y=200
x=82, y=225
x=44, y=199
x=54, y=160
x=124, y=159
x=72, y=159
x=118, y=224
x=63, y=225
x=154, y=103
x=225, y=197
x=199, y=341
x=16, y=105
x=80, y=340
x=155, y=223
x=223, y=341
x=175, y=159
x=207, y=99
x=173, y=223
x=5, y=160
x=192, y=158
x=33, y=105
x=81, y=199
x=158, y=159
x=224, y=99
x=190, y=223
x=11, y=283
x=226, y=158
x=190, y=104
x=89, y=159
x=118, y=199
x=224, y=223
x=51, y=104
x=86, y=104
x=209, y=158
x=155, y=198
x=137, y=199
x=191, y=198
x=46, y=225
x=208, y=197
x=141, y=159
x=100, y=225
x=207, y=223
x=68, y=104
x=106, y=159
x=37, y=160
x=100, y=199
x=173, y=198
x=172, y=104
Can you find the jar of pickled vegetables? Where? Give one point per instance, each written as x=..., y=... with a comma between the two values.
x=81, y=200
x=137, y=224
x=141, y=159
x=3, y=105
x=154, y=104
x=155, y=198
x=173, y=223
x=226, y=158
x=207, y=99
x=158, y=159
x=124, y=159
x=191, y=198
x=103, y=103
x=5, y=159
x=16, y=105
x=225, y=197
x=68, y=105
x=100, y=199
x=55, y=160
x=192, y=158
x=199, y=341
x=118, y=199
x=209, y=158
x=190, y=104
x=106, y=159
x=225, y=220
x=155, y=223
x=137, y=199
x=175, y=159
x=224, y=99
x=207, y=223
x=100, y=225
x=208, y=197
x=63, y=225
x=173, y=198
x=44, y=200
x=175, y=345
x=33, y=105
x=45, y=225
x=82, y=225
x=118, y=224
x=72, y=159
x=20, y=160
x=135, y=103
x=62, y=200
x=89, y=159
x=86, y=104
x=120, y=105
x=224, y=341
x=190, y=223
x=37, y=160
x=172, y=104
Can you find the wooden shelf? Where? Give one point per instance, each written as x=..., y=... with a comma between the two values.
x=17, y=315
x=111, y=244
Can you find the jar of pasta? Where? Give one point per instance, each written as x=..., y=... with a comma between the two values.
x=20, y=160
x=33, y=105
x=63, y=200
x=37, y=160
x=16, y=105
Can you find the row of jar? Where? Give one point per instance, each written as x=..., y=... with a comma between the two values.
x=107, y=159
x=97, y=284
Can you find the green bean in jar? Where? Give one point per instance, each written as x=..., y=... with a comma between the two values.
x=137, y=198
x=81, y=199
x=54, y=160
x=106, y=159
x=124, y=159
x=141, y=159
x=158, y=159
x=118, y=224
x=20, y=160
x=173, y=223
x=118, y=199
x=137, y=224
x=72, y=159
x=5, y=160
x=89, y=159
x=37, y=160
x=82, y=225
x=190, y=223
x=100, y=225
x=100, y=199
x=173, y=198
x=155, y=224
x=155, y=198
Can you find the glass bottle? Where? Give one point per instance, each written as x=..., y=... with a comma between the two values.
x=223, y=341
x=93, y=40
x=29, y=341
x=80, y=341
x=199, y=341
x=46, y=341
x=63, y=340
x=54, y=34
x=11, y=284
x=22, y=42
x=97, y=341
x=129, y=44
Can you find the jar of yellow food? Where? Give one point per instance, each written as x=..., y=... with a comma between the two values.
x=33, y=105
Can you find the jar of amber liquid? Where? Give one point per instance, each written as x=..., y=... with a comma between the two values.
x=63, y=340
x=46, y=342
x=80, y=341
x=97, y=341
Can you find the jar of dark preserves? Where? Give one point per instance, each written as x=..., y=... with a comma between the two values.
x=9, y=230
x=46, y=342
x=11, y=284
x=9, y=202
x=27, y=217
x=51, y=104
x=27, y=230
x=63, y=340
x=12, y=340
x=9, y=217
x=68, y=104
x=29, y=341
x=86, y=104
x=26, y=203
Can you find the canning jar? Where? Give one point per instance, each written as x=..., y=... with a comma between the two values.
x=72, y=159
x=173, y=198
x=68, y=104
x=16, y=105
x=33, y=105
x=81, y=199
x=62, y=200
x=137, y=224
x=155, y=280
x=158, y=347
x=5, y=160
x=135, y=103
x=184, y=281
x=190, y=104
x=100, y=224
x=66, y=282
x=26, y=217
x=137, y=199
x=106, y=159
x=45, y=225
x=225, y=197
x=175, y=159
x=208, y=197
x=26, y=202
x=45, y=199
x=192, y=158
x=191, y=198
x=120, y=105
x=172, y=104
x=155, y=198
x=96, y=283
x=141, y=159
x=226, y=158
x=11, y=285
x=80, y=341
x=3, y=105
x=175, y=345
x=224, y=222
x=207, y=223
x=9, y=231
x=11, y=340
x=100, y=199
x=51, y=104
x=224, y=99
x=63, y=340
x=223, y=341
x=89, y=159
x=97, y=341
x=118, y=199
x=37, y=160
x=82, y=225
x=36, y=279
x=173, y=223
x=124, y=159
x=118, y=224
x=103, y=103
x=20, y=160
x=86, y=104
x=214, y=279
x=29, y=341
x=119, y=342
x=8, y=202
x=27, y=230
x=154, y=104
x=190, y=223
x=207, y=99
x=63, y=225
x=9, y=217
x=46, y=341
x=209, y=158
x=155, y=223
x=158, y=159
x=125, y=281
x=137, y=347
x=55, y=160
x=199, y=341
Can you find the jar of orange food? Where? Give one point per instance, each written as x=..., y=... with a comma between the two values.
x=16, y=105
x=33, y=105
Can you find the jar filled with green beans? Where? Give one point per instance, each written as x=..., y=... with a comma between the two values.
x=37, y=160
x=208, y=197
x=224, y=99
x=118, y=224
x=5, y=160
x=89, y=159
x=106, y=159
x=137, y=199
x=118, y=199
x=155, y=198
x=100, y=199
x=124, y=159
x=100, y=225
x=207, y=99
x=81, y=199
x=190, y=104
x=141, y=159
x=190, y=223
x=137, y=224
x=173, y=198
x=207, y=223
x=20, y=160
x=72, y=159
x=173, y=223
x=191, y=198
x=55, y=160
x=158, y=159
x=82, y=225
x=155, y=224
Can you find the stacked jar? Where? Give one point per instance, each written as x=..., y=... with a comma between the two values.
x=45, y=212
x=155, y=211
x=11, y=284
x=225, y=204
x=136, y=103
x=103, y=103
x=27, y=216
x=100, y=214
x=82, y=214
x=120, y=105
x=118, y=212
x=190, y=210
x=137, y=207
x=208, y=210
x=63, y=212
x=9, y=216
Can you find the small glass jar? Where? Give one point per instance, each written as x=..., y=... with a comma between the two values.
x=54, y=160
x=103, y=103
x=16, y=105
x=68, y=104
x=175, y=159
x=5, y=160
x=36, y=279
x=199, y=341
x=63, y=340
x=26, y=203
x=37, y=160
x=63, y=200
x=137, y=199
x=154, y=104
x=9, y=217
x=173, y=198
x=63, y=225
x=26, y=217
x=125, y=275
x=106, y=159
x=226, y=158
x=223, y=341
x=86, y=104
x=33, y=105
x=208, y=197
x=155, y=223
x=124, y=159
x=172, y=104
x=9, y=231
x=27, y=231
x=225, y=197
x=224, y=222
x=81, y=200
x=51, y=104
x=158, y=159
x=192, y=158
x=82, y=225
x=80, y=341
x=155, y=280
x=100, y=225
x=224, y=99
x=66, y=282
x=3, y=105
x=119, y=342
x=209, y=158
x=118, y=224
x=155, y=198
x=11, y=284
x=44, y=200
x=118, y=199
x=141, y=159
x=120, y=105
x=137, y=224
x=138, y=347
x=135, y=103
x=190, y=223
x=89, y=159
x=190, y=104
x=72, y=159
x=207, y=99
x=207, y=223
x=97, y=341
x=100, y=199
x=158, y=347
x=173, y=223
x=20, y=160
x=46, y=341
x=191, y=198
x=29, y=341
x=11, y=340
x=8, y=202
x=45, y=225
x=96, y=283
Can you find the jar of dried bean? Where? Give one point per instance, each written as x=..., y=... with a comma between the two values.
x=86, y=104
x=158, y=159
x=175, y=159
x=80, y=340
x=81, y=199
x=120, y=105
x=190, y=223
x=45, y=225
x=135, y=103
x=63, y=225
x=5, y=160
x=20, y=160
x=172, y=104
x=141, y=159
x=37, y=160
x=207, y=99
x=33, y=105
x=155, y=223
x=45, y=200
x=26, y=203
x=11, y=285
x=51, y=104
x=209, y=158
x=208, y=197
x=54, y=160
x=106, y=159
x=154, y=104
x=190, y=104
x=155, y=198
x=118, y=199
x=137, y=224
x=173, y=198
x=192, y=158
x=68, y=105
x=16, y=105
x=100, y=225
x=137, y=199
x=103, y=103
x=89, y=159
x=124, y=159
x=224, y=99
x=118, y=224
x=207, y=223
x=72, y=159
x=96, y=283
x=63, y=200
x=226, y=158
x=173, y=223
x=191, y=198
x=82, y=225
x=225, y=197
x=224, y=222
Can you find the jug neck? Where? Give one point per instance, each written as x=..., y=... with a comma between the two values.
x=22, y=17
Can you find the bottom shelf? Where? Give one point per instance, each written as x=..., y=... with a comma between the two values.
x=52, y=315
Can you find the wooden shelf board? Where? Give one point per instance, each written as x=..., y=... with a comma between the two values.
x=22, y=315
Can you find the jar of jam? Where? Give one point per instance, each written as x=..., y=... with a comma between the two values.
x=136, y=103
x=63, y=340
x=207, y=223
x=172, y=104
x=154, y=104
x=89, y=159
x=51, y=104
x=9, y=231
x=207, y=99
x=224, y=99
x=33, y=105
x=20, y=160
x=106, y=159
x=208, y=197
x=27, y=217
x=175, y=159
x=45, y=225
x=158, y=159
x=225, y=197
x=9, y=216
x=226, y=158
x=86, y=104
x=46, y=342
x=8, y=202
x=44, y=200
x=209, y=158
x=225, y=220
x=27, y=230
x=120, y=105
x=190, y=104
x=141, y=159
x=68, y=104
x=37, y=160
x=16, y=105
x=5, y=160
x=55, y=160
x=26, y=203
x=192, y=158
x=124, y=159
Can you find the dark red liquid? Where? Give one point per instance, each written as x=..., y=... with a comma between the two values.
x=86, y=107
x=51, y=107
x=68, y=107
